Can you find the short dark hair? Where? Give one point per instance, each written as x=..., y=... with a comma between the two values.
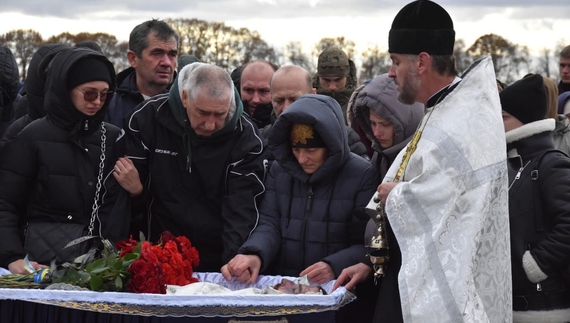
x=138, y=39
x=565, y=52
x=444, y=64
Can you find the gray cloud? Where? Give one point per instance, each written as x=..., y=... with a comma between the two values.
x=222, y=10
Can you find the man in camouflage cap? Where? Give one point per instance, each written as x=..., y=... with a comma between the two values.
x=336, y=76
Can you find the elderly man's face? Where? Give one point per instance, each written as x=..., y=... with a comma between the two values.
x=255, y=85
x=206, y=114
x=286, y=89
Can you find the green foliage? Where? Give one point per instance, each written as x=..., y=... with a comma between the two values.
x=99, y=272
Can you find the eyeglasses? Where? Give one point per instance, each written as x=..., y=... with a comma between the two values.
x=91, y=96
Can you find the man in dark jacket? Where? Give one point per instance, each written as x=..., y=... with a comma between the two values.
x=9, y=84
x=254, y=84
x=201, y=161
x=153, y=50
x=287, y=85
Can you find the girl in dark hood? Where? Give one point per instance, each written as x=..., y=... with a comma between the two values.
x=55, y=175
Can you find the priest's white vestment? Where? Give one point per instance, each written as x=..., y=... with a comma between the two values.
x=449, y=212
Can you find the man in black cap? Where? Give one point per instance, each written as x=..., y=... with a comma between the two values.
x=445, y=195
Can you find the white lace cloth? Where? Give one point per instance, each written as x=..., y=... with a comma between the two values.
x=337, y=298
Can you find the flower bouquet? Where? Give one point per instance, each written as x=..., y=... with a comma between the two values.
x=133, y=266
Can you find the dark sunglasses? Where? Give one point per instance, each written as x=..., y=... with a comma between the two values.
x=91, y=96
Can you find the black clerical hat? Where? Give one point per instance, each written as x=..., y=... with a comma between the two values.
x=422, y=26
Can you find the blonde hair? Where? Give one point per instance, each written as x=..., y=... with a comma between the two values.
x=551, y=97
x=551, y=89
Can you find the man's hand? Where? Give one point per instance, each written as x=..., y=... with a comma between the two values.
x=127, y=176
x=244, y=267
x=353, y=275
x=384, y=190
x=17, y=267
x=318, y=273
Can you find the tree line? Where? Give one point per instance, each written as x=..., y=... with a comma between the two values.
x=230, y=47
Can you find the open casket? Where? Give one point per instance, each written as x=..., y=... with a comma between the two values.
x=214, y=307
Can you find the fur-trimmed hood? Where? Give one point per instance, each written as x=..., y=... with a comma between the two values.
x=528, y=130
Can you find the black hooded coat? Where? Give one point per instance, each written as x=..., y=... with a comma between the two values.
x=307, y=218
x=48, y=173
x=31, y=105
x=9, y=84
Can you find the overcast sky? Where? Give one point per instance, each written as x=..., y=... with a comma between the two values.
x=535, y=23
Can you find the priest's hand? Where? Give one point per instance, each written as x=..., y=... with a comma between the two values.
x=353, y=275
x=318, y=273
x=17, y=267
x=127, y=176
x=244, y=267
x=384, y=190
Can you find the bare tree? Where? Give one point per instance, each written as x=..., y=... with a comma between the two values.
x=462, y=59
x=348, y=46
x=216, y=43
x=64, y=38
x=374, y=63
x=23, y=43
x=115, y=52
x=294, y=54
x=545, y=63
x=510, y=61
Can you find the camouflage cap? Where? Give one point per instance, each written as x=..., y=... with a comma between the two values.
x=333, y=62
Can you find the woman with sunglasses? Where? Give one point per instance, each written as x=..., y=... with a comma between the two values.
x=55, y=176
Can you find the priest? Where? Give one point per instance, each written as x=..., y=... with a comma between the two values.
x=445, y=195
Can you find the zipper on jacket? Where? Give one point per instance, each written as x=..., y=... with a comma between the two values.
x=305, y=219
x=86, y=127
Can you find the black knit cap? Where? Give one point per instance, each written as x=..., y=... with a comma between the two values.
x=525, y=99
x=422, y=26
x=305, y=136
x=86, y=70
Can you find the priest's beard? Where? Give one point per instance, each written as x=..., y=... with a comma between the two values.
x=410, y=86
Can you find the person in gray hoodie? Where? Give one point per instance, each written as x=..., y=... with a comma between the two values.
x=387, y=122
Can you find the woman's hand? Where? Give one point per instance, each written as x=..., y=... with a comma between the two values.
x=353, y=275
x=127, y=176
x=244, y=267
x=318, y=273
x=17, y=267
